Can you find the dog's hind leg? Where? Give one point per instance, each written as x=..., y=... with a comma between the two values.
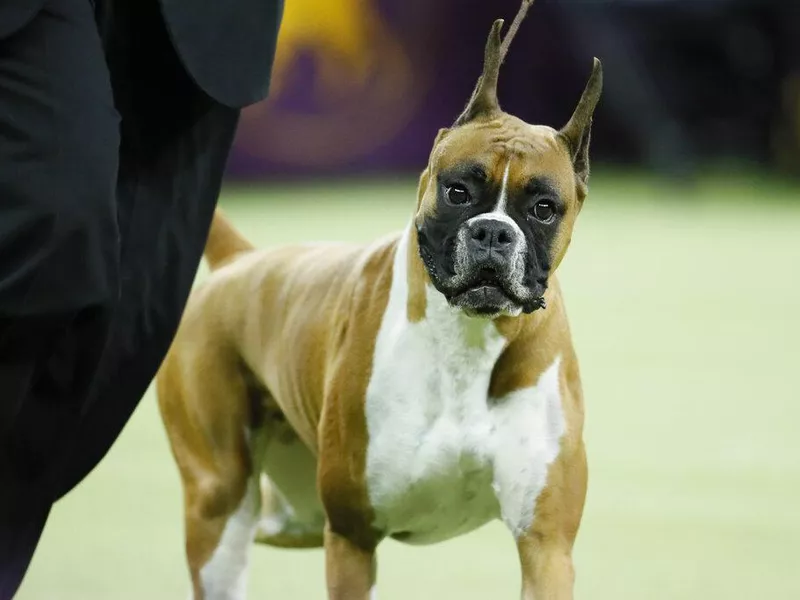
x=223, y=576
x=204, y=403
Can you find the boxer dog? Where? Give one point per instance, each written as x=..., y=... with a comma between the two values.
x=416, y=388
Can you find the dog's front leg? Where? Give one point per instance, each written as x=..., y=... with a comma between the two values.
x=350, y=538
x=545, y=549
x=349, y=568
x=547, y=571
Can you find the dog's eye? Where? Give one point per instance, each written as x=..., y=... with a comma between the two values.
x=457, y=195
x=544, y=211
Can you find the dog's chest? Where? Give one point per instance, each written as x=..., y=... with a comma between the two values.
x=443, y=458
x=432, y=438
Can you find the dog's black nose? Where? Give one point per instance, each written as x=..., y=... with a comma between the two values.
x=486, y=237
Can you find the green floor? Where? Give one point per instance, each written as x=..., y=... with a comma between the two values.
x=685, y=309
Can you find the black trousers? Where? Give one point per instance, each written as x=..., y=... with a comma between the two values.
x=111, y=161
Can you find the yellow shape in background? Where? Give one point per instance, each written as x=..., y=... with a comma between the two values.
x=341, y=37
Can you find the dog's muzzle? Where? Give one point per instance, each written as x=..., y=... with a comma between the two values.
x=489, y=265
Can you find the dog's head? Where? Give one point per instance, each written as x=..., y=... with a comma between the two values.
x=499, y=197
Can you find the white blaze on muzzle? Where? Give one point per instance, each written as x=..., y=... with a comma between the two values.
x=516, y=260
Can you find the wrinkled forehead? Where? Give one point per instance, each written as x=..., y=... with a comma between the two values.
x=507, y=150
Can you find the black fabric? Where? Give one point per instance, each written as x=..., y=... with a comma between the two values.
x=21, y=522
x=59, y=241
x=14, y=14
x=58, y=159
x=59, y=254
x=227, y=46
x=175, y=141
x=111, y=161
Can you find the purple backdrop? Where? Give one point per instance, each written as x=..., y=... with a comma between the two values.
x=362, y=86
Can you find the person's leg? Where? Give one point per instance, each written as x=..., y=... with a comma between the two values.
x=59, y=254
x=175, y=143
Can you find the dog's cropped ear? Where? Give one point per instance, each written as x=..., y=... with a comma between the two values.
x=483, y=101
x=577, y=133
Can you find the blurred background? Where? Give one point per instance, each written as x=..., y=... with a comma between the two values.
x=361, y=86
x=681, y=284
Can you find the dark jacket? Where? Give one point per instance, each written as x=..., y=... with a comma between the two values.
x=14, y=14
x=227, y=46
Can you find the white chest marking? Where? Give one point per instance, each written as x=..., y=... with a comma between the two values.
x=444, y=458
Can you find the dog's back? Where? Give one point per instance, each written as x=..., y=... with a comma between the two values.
x=255, y=304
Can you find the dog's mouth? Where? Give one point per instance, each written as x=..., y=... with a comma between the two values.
x=485, y=280
x=485, y=293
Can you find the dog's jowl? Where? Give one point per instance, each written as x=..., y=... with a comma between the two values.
x=413, y=388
